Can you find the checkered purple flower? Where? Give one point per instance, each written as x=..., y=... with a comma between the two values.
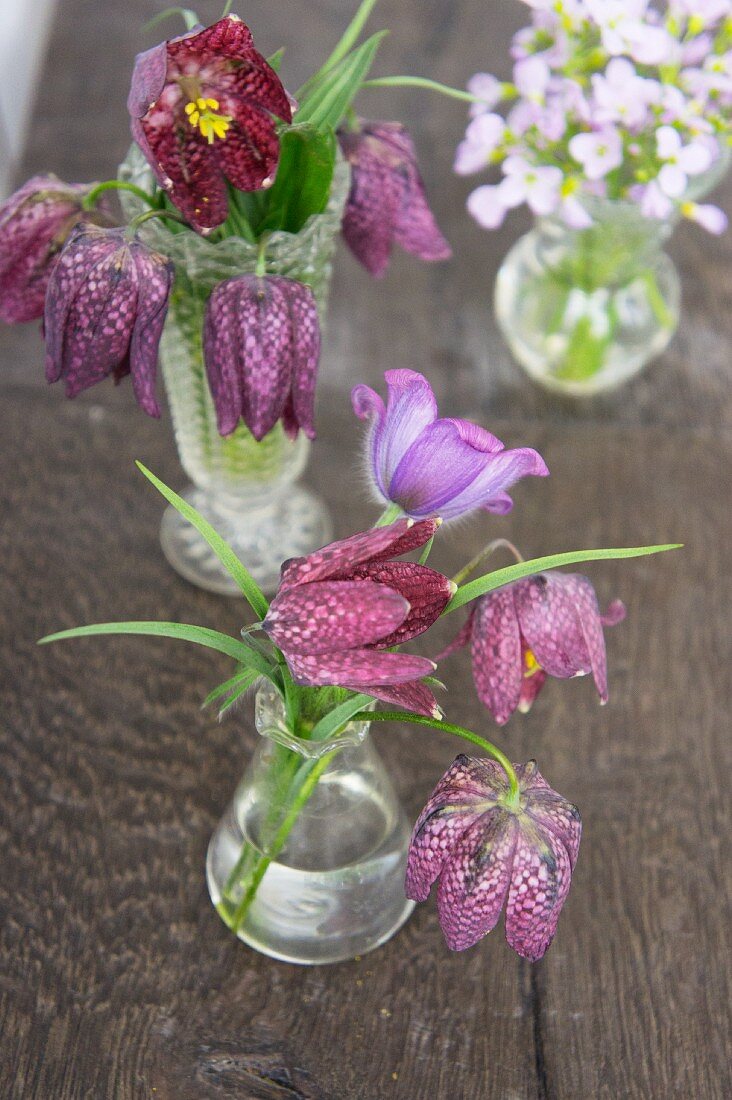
x=339, y=610
x=105, y=309
x=261, y=343
x=433, y=466
x=387, y=204
x=201, y=107
x=488, y=851
x=35, y=223
x=547, y=625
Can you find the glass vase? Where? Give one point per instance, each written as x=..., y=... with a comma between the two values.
x=583, y=310
x=247, y=490
x=307, y=864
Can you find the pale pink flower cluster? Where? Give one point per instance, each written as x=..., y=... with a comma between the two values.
x=617, y=99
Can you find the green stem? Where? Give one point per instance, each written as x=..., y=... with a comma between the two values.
x=421, y=82
x=227, y=8
x=306, y=790
x=117, y=185
x=391, y=513
x=142, y=218
x=261, y=267
x=447, y=727
x=496, y=544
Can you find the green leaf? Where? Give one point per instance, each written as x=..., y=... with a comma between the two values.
x=325, y=105
x=250, y=589
x=333, y=722
x=489, y=581
x=275, y=60
x=304, y=178
x=243, y=686
x=227, y=686
x=347, y=41
x=188, y=16
x=184, y=632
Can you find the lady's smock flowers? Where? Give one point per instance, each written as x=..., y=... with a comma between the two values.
x=431, y=466
x=488, y=850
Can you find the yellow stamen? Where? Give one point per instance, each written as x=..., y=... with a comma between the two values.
x=202, y=115
x=531, y=665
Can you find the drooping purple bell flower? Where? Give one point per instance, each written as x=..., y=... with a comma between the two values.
x=105, y=309
x=35, y=223
x=201, y=107
x=387, y=204
x=547, y=625
x=338, y=610
x=261, y=342
x=433, y=466
x=488, y=851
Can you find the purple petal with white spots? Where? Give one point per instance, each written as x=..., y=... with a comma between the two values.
x=317, y=618
x=426, y=591
x=540, y=879
x=496, y=653
x=358, y=667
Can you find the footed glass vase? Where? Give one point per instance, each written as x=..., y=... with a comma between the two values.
x=583, y=310
x=307, y=864
x=249, y=491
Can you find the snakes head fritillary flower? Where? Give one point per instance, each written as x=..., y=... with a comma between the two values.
x=202, y=108
x=546, y=625
x=105, y=309
x=35, y=223
x=338, y=611
x=387, y=204
x=261, y=344
x=433, y=466
x=490, y=851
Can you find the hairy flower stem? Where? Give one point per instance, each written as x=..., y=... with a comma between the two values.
x=391, y=513
x=496, y=544
x=421, y=82
x=116, y=185
x=448, y=727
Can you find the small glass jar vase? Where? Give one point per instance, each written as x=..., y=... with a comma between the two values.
x=247, y=490
x=307, y=864
x=583, y=310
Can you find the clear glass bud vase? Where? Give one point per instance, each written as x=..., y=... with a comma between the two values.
x=307, y=864
x=583, y=310
x=247, y=490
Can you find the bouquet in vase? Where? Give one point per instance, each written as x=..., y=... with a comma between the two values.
x=616, y=122
x=314, y=860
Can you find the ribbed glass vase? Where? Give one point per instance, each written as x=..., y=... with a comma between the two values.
x=247, y=490
x=308, y=862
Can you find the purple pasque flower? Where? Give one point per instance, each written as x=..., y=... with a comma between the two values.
x=338, y=610
x=202, y=108
x=387, y=204
x=105, y=309
x=261, y=345
x=433, y=466
x=598, y=152
x=35, y=223
x=546, y=625
x=489, y=850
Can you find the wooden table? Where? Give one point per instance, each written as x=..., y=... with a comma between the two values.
x=118, y=979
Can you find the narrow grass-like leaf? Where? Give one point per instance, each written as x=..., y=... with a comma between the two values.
x=184, y=632
x=243, y=687
x=333, y=722
x=345, y=44
x=489, y=581
x=327, y=103
x=188, y=16
x=250, y=589
x=224, y=689
x=275, y=59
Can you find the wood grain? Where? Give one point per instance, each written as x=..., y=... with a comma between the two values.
x=117, y=980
